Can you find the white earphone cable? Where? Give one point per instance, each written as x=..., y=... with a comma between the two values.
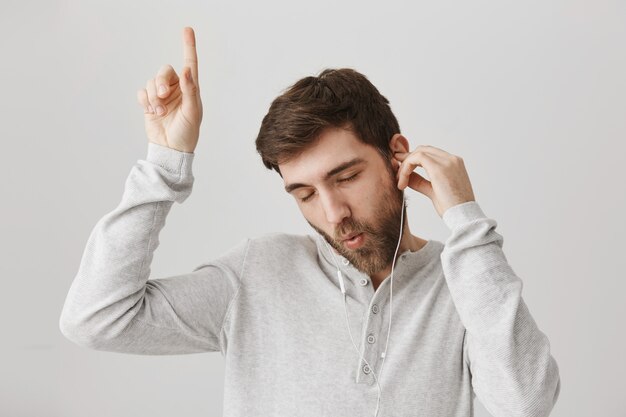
x=343, y=290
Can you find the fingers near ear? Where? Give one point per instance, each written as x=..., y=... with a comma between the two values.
x=403, y=174
x=410, y=162
x=420, y=184
x=400, y=156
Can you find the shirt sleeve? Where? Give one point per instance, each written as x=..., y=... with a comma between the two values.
x=513, y=372
x=113, y=306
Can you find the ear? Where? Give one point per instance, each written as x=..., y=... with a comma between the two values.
x=398, y=143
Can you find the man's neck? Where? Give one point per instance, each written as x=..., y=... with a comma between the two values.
x=408, y=242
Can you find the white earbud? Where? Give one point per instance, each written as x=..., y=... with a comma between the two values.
x=343, y=288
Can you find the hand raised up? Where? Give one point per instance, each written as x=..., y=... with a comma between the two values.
x=172, y=105
x=449, y=183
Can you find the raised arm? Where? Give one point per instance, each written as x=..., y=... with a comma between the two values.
x=513, y=371
x=112, y=304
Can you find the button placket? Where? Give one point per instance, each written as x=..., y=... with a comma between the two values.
x=370, y=345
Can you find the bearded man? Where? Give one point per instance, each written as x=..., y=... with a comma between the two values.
x=308, y=323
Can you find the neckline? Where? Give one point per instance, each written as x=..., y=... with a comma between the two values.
x=421, y=255
x=413, y=258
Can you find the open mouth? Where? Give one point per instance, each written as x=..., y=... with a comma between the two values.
x=354, y=241
x=351, y=237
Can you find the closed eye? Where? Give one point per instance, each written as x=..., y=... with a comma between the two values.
x=350, y=178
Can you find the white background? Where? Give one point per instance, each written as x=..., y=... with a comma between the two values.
x=531, y=94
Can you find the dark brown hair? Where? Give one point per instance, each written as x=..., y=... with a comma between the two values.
x=340, y=98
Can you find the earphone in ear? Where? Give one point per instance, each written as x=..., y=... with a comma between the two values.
x=343, y=291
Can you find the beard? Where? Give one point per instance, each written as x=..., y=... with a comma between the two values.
x=381, y=234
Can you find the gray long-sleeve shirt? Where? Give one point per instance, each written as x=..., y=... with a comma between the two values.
x=272, y=306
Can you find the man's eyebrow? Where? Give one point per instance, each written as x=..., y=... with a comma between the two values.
x=339, y=168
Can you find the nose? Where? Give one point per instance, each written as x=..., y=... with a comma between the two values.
x=334, y=207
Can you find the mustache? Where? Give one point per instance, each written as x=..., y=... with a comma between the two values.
x=349, y=228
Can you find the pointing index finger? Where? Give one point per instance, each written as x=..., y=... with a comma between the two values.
x=189, y=51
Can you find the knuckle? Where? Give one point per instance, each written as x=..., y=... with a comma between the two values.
x=166, y=67
x=165, y=77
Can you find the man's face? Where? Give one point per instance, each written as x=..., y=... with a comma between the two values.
x=345, y=189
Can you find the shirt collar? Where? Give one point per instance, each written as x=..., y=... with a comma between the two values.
x=410, y=260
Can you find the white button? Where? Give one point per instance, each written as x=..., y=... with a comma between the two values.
x=345, y=261
x=375, y=309
x=363, y=282
x=366, y=369
x=371, y=338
